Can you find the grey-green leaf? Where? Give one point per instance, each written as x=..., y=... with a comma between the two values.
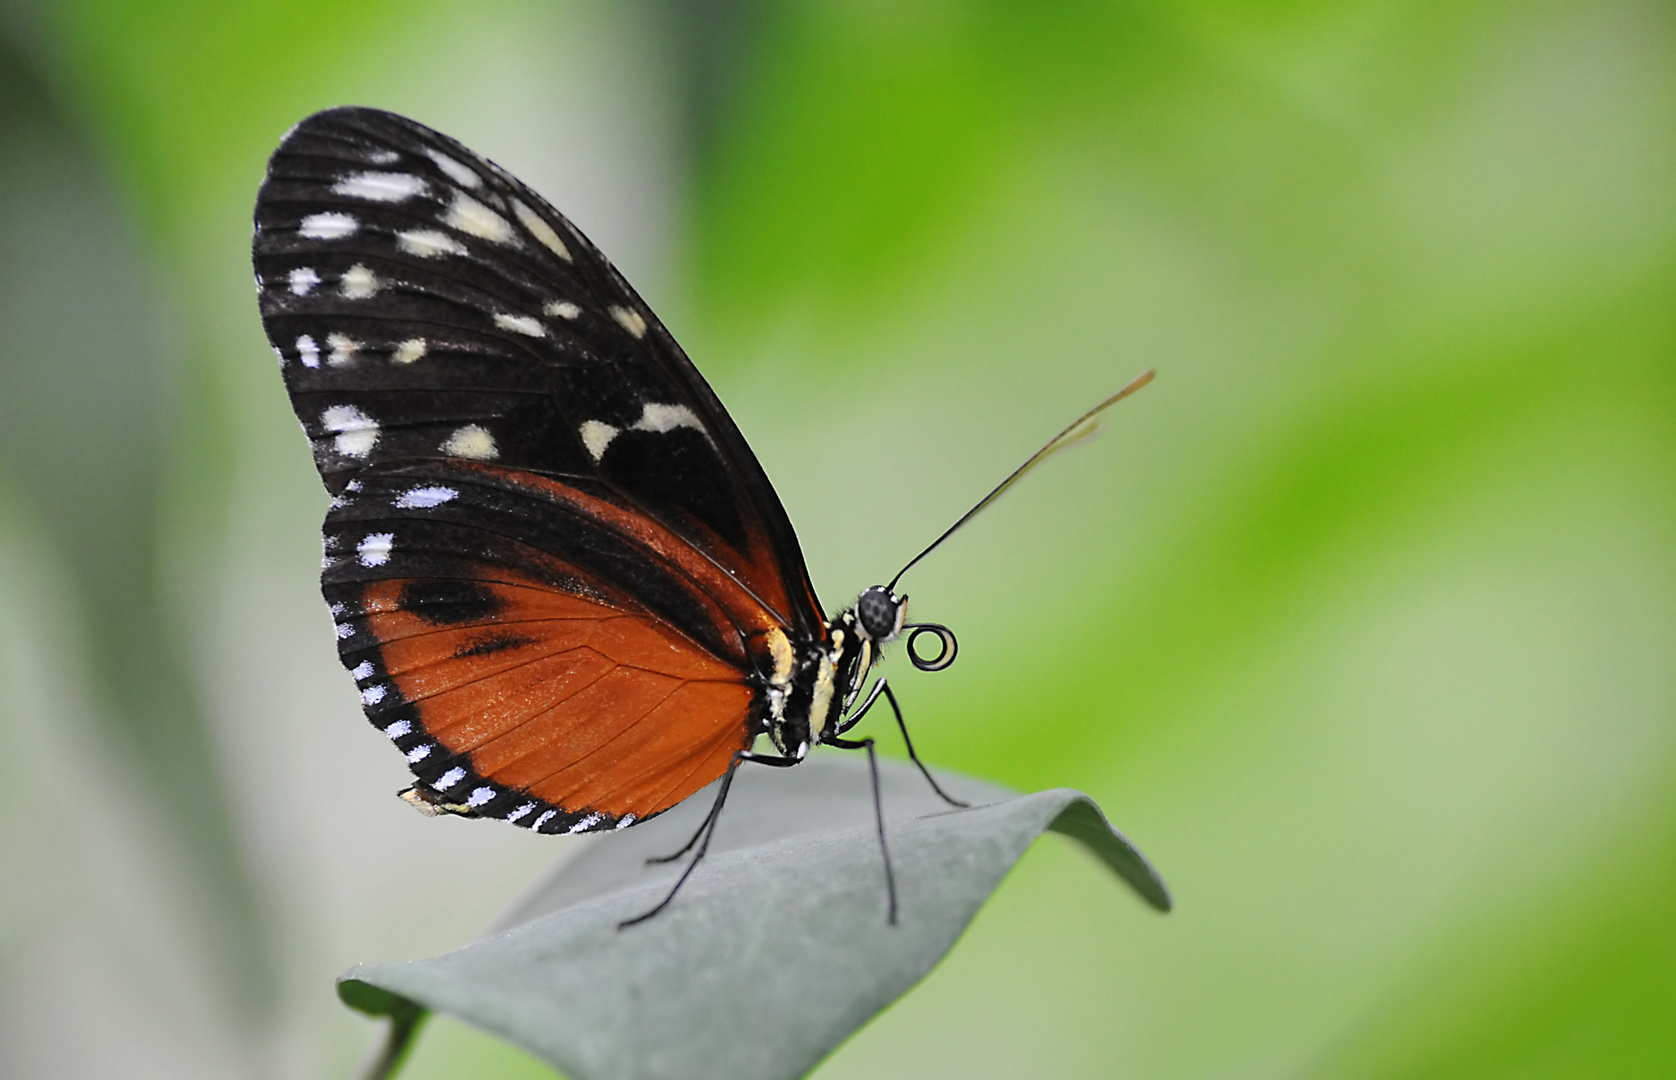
x=774, y=952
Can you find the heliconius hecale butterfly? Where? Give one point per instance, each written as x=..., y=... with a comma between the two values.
x=563, y=583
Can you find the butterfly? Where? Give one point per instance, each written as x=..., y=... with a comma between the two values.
x=561, y=580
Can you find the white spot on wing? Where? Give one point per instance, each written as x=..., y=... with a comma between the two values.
x=630, y=321
x=564, y=309
x=363, y=670
x=538, y=227
x=662, y=418
x=302, y=280
x=345, y=630
x=343, y=349
x=520, y=324
x=359, y=283
x=328, y=226
x=381, y=186
x=479, y=796
x=596, y=436
x=409, y=351
x=628, y=819
x=472, y=441
x=546, y=816
x=522, y=811
x=308, y=352
x=384, y=157
x=429, y=243
x=449, y=779
x=419, y=753
x=423, y=498
x=356, y=431
x=457, y=172
x=470, y=216
x=374, y=548
x=587, y=823
x=398, y=729
x=372, y=695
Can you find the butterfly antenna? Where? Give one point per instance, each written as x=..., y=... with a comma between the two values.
x=1076, y=431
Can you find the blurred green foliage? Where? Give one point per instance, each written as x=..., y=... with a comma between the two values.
x=1360, y=621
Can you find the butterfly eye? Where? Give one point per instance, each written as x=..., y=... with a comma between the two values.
x=879, y=613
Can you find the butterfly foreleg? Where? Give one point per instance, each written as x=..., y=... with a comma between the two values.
x=855, y=717
x=883, y=687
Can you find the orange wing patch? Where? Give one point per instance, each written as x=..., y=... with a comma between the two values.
x=581, y=704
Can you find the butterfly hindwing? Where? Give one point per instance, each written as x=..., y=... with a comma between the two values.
x=516, y=638
x=425, y=304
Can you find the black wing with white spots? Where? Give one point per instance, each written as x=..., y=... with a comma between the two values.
x=427, y=306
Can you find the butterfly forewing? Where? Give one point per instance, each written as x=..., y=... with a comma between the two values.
x=424, y=303
x=557, y=570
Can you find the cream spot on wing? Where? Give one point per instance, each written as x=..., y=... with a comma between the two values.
x=308, y=352
x=428, y=243
x=328, y=226
x=343, y=349
x=374, y=549
x=359, y=283
x=423, y=498
x=564, y=309
x=302, y=280
x=596, y=436
x=356, y=432
x=630, y=321
x=409, y=351
x=380, y=186
x=538, y=227
x=472, y=441
x=520, y=324
x=457, y=172
x=662, y=418
x=470, y=216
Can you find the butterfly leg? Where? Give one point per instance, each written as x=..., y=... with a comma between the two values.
x=703, y=826
x=878, y=810
x=708, y=829
x=883, y=686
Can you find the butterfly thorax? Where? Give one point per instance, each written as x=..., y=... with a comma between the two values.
x=822, y=679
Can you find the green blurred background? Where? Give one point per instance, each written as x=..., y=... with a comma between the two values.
x=1360, y=620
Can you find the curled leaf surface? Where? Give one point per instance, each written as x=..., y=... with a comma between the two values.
x=775, y=951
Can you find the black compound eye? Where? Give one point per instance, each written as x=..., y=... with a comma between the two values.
x=879, y=613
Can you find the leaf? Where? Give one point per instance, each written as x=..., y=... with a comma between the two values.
x=775, y=950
